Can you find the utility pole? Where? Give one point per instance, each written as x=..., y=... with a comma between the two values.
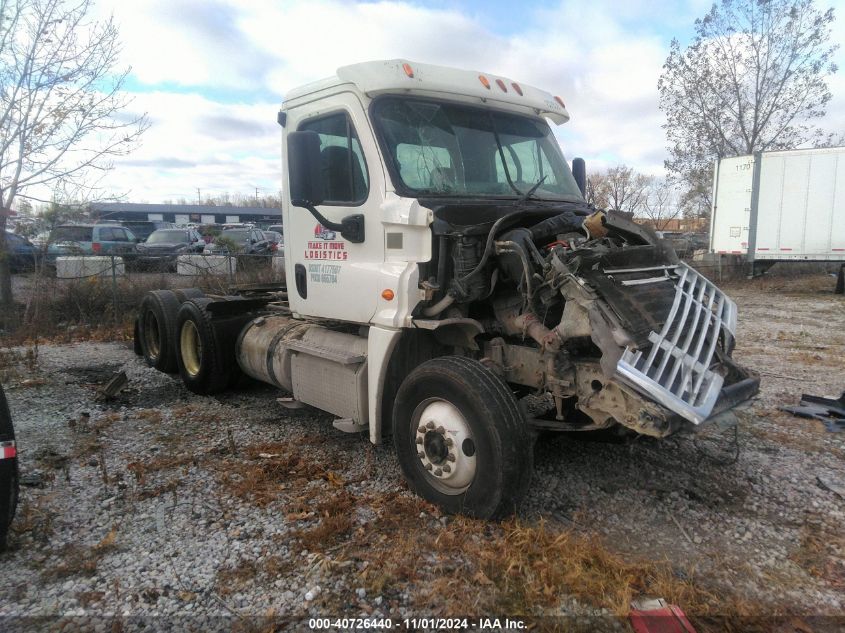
x=198, y=196
x=256, y=196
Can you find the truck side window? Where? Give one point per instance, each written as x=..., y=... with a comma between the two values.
x=344, y=169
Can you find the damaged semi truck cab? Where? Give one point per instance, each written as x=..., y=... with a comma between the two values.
x=447, y=284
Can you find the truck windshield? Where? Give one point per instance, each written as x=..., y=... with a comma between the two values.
x=438, y=148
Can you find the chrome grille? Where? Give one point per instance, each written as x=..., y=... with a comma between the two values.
x=677, y=370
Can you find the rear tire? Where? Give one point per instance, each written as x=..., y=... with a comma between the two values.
x=158, y=329
x=206, y=347
x=461, y=440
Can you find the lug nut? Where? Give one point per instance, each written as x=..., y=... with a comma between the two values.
x=441, y=430
x=447, y=468
x=450, y=457
x=428, y=466
x=419, y=440
x=429, y=425
x=438, y=472
x=449, y=441
x=421, y=429
x=420, y=454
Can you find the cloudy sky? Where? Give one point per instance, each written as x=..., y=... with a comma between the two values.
x=212, y=74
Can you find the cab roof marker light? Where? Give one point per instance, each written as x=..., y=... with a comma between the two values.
x=484, y=81
x=408, y=70
x=517, y=88
x=501, y=85
x=560, y=101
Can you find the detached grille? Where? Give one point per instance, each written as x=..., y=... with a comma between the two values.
x=677, y=369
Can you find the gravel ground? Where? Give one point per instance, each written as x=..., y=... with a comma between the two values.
x=164, y=503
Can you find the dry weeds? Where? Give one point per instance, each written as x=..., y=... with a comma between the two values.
x=141, y=469
x=79, y=559
x=262, y=472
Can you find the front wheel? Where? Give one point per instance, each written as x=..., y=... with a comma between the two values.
x=460, y=438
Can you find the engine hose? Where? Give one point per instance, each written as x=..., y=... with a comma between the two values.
x=513, y=247
x=492, y=236
x=438, y=307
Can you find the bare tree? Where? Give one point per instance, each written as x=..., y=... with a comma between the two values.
x=661, y=204
x=625, y=189
x=597, y=190
x=753, y=79
x=62, y=115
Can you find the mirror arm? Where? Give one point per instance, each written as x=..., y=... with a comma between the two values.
x=351, y=227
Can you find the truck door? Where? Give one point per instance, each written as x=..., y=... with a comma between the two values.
x=327, y=275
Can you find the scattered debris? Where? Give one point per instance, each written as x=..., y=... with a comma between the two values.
x=827, y=410
x=826, y=484
x=33, y=480
x=657, y=616
x=113, y=386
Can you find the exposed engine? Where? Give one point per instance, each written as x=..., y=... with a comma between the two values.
x=591, y=315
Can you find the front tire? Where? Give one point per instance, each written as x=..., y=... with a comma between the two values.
x=461, y=440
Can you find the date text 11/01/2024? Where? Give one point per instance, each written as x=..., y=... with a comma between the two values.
x=415, y=624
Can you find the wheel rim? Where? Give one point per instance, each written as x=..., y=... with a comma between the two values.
x=190, y=348
x=444, y=446
x=151, y=335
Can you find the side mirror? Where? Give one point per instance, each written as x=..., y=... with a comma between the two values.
x=579, y=171
x=305, y=169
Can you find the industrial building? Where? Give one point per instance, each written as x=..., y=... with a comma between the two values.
x=184, y=213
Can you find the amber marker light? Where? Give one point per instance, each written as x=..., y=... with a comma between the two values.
x=408, y=70
x=517, y=88
x=484, y=81
x=387, y=294
x=501, y=85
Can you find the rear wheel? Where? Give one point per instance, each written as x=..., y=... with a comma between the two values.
x=460, y=438
x=157, y=323
x=206, y=347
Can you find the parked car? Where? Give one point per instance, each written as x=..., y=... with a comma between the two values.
x=163, y=247
x=240, y=242
x=278, y=228
x=23, y=254
x=40, y=240
x=277, y=241
x=142, y=229
x=209, y=232
x=91, y=239
x=8, y=470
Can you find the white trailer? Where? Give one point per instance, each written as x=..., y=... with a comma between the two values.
x=780, y=206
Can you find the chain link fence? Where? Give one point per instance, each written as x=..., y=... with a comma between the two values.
x=106, y=290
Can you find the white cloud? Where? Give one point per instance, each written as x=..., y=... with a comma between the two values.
x=602, y=57
x=196, y=143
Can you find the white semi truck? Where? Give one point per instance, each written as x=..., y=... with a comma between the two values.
x=780, y=206
x=447, y=284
